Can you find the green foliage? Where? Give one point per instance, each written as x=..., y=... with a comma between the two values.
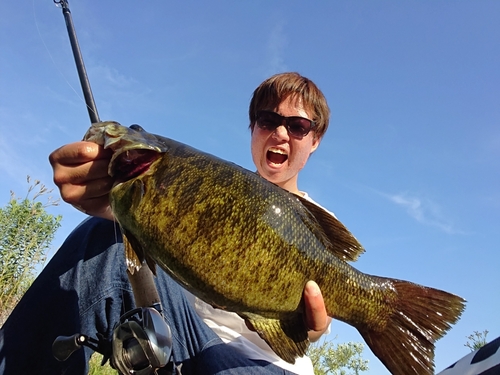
x=476, y=340
x=95, y=367
x=327, y=358
x=339, y=359
x=26, y=231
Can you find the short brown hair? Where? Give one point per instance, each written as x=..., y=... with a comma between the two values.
x=277, y=88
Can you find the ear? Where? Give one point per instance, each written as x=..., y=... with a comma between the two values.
x=315, y=144
x=252, y=126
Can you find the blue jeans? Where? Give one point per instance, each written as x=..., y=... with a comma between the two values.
x=85, y=289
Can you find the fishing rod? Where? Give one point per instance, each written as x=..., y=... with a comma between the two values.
x=142, y=341
x=80, y=66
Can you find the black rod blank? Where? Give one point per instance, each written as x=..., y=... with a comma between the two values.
x=82, y=73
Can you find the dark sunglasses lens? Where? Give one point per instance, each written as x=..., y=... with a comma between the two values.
x=299, y=127
x=268, y=120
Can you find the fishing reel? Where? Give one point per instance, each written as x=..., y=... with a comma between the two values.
x=141, y=343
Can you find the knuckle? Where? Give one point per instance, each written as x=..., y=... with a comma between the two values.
x=70, y=194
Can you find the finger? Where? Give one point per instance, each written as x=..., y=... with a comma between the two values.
x=79, y=193
x=79, y=163
x=77, y=153
x=96, y=207
x=80, y=174
x=315, y=311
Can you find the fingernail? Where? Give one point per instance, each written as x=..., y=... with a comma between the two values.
x=313, y=288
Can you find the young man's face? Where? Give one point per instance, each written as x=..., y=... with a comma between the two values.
x=279, y=156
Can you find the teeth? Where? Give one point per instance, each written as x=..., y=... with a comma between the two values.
x=127, y=156
x=276, y=156
x=277, y=151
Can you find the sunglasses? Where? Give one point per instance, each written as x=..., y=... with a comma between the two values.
x=296, y=126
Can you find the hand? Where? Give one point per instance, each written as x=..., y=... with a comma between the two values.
x=317, y=321
x=81, y=174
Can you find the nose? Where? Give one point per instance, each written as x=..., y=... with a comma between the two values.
x=280, y=133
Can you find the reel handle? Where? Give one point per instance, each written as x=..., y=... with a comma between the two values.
x=64, y=346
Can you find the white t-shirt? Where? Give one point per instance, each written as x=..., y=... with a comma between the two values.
x=231, y=328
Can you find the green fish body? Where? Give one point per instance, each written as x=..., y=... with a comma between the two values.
x=243, y=244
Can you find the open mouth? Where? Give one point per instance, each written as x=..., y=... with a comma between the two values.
x=276, y=156
x=132, y=163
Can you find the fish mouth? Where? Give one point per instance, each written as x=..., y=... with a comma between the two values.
x=276, y=156
x=132, y=163
x=134, y=149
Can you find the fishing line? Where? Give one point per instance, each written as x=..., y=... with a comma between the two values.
x=79, y=96
x=142, y=283
x=115, y=226
x=115, y=229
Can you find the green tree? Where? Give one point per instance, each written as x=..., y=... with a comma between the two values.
x=476, y=340
x=337, y=359
x=26, y=231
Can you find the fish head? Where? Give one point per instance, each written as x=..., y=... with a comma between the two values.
x=134, y=149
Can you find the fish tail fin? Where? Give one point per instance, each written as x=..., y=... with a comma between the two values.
x=422, y=316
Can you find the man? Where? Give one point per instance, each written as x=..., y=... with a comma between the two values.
x=85, y=288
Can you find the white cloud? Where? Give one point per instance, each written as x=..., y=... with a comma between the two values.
x=112, y=77
x=10, y=166
x=23, y=148
x=276, y=48
x=423, y=210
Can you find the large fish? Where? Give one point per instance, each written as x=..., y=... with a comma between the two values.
x=243, y=244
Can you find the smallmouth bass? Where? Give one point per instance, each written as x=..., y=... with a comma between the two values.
x=243, y=244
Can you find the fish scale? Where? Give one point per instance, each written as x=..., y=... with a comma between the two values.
x=243, y=244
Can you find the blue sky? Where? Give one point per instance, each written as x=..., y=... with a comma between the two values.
x=411, y=160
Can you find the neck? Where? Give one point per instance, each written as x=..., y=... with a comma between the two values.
x=291, y=186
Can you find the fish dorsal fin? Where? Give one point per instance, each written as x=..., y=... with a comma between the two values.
x=341, y=241
x=286, y=337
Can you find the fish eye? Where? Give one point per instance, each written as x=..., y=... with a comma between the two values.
x=137, y=127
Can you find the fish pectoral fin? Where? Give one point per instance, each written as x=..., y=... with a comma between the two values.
x=286, y=337
x=134, y=255
x=342, y=243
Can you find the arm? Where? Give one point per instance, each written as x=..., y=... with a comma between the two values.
x=315, y=313
x=81, y=174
